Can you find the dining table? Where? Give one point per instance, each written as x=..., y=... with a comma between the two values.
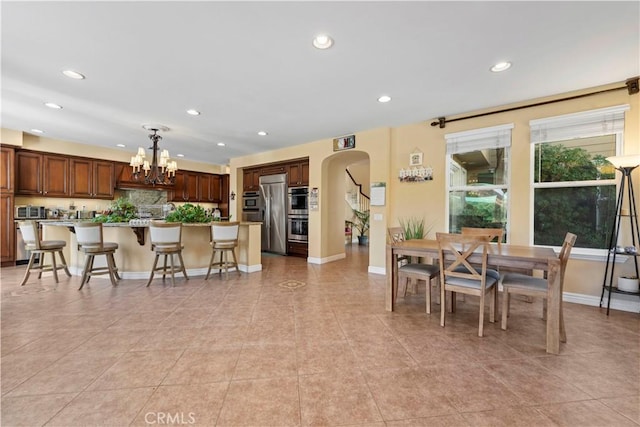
x=502, y=255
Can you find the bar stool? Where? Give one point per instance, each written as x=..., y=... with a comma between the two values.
x=91, y=243
x=31, y=237
x=166, y=239
x=224, y=238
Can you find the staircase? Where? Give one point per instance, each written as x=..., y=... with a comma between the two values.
x=354, y=195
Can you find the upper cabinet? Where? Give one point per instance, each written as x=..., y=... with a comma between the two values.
x=198, y=187
x=209, y=188
x=93, y=179
x=42, y=174
x=6, y=173
x=299, y=174
x=251, y=179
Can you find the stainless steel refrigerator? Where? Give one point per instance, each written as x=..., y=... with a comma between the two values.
x=273, y=197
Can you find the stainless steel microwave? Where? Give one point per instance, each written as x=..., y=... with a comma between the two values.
x=31, y=212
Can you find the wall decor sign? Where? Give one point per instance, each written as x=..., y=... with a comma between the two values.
x=415, y=159
x=344, y=143
x=416, y=174
x=313, y=199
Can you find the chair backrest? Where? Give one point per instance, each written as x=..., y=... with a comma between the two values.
x=29, y=230
x=495, y=234
x=88, y=233
x=165, y=233
x=395, y=234
x=454, y=252
x=565, y=252
x=222, y=231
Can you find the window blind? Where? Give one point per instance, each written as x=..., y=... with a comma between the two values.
x=603, y=121
x=479, y=139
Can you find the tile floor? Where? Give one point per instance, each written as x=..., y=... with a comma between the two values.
x=298, y=345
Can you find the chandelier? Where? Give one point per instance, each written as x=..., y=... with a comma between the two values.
x=161, y=170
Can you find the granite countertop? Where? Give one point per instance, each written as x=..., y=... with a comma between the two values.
x=71, y=223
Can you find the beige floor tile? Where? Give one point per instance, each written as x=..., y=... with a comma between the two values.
x=204, y=366
x=103, y=408
x=114, y=341
x=17, y=368
x=508, y=417
x=266, y=361
x=336, y=399
x=588, y=413
x=194, y=404
x=441, y=421
x=223, y=334
x=325, y=356
x=629, y=406
x=31, y=411
x=137, y=369
x=408, y=393
x=264, y=402
x=72, y=373
x=166, y=339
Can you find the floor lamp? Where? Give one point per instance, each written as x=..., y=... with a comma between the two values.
x=625, y=164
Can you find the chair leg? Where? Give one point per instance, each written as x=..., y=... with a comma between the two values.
x=443, y=304
x=213, y=255
x=111, y=267
x=153, y=269
x=184, y=270
x=221, y=263
x=173, y=276
x=164, y=268
x=544, y=309
x=226, y=264
x=32, y=258
x=427, y=297
x=505, y=308
x=85, y=272
x=115, y=268
x=54, y=267
x=40, y=265
x=492, y=304
x=91, y=259
x=563, y=332
x=64, y=263
x=481, y=318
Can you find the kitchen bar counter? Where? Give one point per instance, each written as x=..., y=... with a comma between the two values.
x=134, y=257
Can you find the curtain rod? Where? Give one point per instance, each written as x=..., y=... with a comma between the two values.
x=631, y=85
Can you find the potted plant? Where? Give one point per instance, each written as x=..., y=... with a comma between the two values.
x=189, y=213
x=414, y=228
x=361, y=222
x=120, y=210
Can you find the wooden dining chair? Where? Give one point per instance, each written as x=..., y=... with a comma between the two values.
x=459, y=274
x=166, y=239
x=522, y=284
x=494, y=234
x=409, y=271
x=38, y=247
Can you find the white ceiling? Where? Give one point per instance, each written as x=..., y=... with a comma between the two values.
x=250, y=66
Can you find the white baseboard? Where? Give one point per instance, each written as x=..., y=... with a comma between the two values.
x=377, y=270
x=314, y=260
x=618, y=302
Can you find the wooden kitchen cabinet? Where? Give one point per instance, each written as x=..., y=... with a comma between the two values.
x=251, y=179
x=209, y=188
x=41, y=174
x=299, y=174
x=190, y=193
x=92, y=179
x=7, y=176
x=300, y=249
x=7, y=230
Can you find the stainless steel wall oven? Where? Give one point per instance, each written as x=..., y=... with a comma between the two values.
x=298, y=201
x=298, y=228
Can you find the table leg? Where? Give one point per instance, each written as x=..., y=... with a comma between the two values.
x=553, y=307
x=392, y=278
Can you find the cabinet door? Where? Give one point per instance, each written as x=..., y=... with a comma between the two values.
x=215, y=189
x=223, y=205
x=298, y=174
x=81, y=178
x=177, y=194
x=191, y=187
x=304, y=175
x=6, y=174
x=103, y=179
x=248, y=180
x=273, y=170
x=55, y=176
x=28, y=173
x=7, y=230
x=204, y=187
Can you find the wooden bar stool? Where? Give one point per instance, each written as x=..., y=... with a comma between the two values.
x=166, y=239
x=91, y=243
x=31, y=237
x=224, y=239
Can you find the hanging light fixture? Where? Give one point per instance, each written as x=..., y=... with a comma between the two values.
x=161, y=170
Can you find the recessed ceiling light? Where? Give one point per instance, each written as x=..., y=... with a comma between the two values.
x=501, y=66
x=180, y=155
x=384, y=98
x=322, y=41
x=120, y=145
x=262, y=133
x=193, y=112
x=53, y=105
x=73, y=74
x=221, y=144
x=37, y=131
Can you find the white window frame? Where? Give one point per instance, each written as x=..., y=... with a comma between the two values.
x=598, y=122
x=476, y=139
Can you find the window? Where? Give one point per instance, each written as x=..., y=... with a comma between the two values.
x=574, y=186
x=478, y=164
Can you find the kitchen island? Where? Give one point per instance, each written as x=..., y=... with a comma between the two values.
x=134, y=256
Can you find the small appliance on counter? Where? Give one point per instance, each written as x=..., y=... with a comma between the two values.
x=30, y=212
